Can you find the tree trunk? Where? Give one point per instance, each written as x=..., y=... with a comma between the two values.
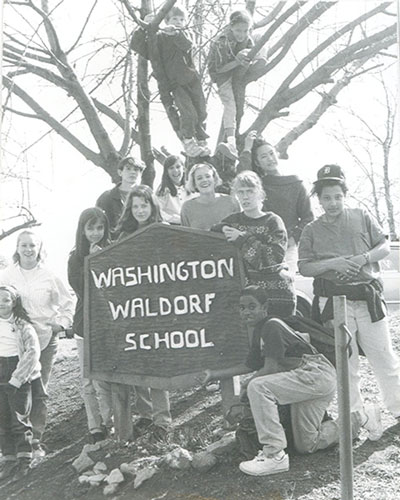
x=143, y=104
x=388, y=198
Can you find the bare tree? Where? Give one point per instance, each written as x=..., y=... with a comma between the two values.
x=370, y=150
x=104, y=129
x=24, y=220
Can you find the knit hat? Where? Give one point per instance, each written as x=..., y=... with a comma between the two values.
x=330, y=173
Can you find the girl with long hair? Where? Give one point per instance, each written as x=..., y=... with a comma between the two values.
x=92, y=234
x=142, y=209
x=171, y=193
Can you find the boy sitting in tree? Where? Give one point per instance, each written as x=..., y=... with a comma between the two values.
x=288, y=370
x=178, y=76
x=229, y=52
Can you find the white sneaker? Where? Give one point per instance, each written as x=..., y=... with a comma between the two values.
x=228, y=149
x=264, y=466
x=373, y=422
x=205, y=150
x=213, y=386
x=191, y=147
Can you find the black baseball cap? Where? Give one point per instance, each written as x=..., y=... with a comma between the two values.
x=330, y=173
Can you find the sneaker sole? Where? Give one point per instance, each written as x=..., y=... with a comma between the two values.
x=375, y=438
x=268, y=473
x=224, y=150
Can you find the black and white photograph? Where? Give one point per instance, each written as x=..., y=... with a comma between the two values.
x=199, y=250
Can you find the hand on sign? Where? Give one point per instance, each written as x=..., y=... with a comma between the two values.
x=231, y=233
x=205, y=377
x=94, y=247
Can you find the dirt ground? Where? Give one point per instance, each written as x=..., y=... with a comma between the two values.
x=198, y=421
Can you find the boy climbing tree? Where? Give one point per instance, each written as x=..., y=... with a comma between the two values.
x=178, y=80
x=229, y=63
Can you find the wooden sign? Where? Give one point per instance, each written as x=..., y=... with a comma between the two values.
x=162, y=305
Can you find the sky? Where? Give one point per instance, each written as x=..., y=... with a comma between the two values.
x=62, y=183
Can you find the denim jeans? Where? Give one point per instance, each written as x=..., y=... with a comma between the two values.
x=15, y=406
x=308, y=389
x=96, y=395
x=189, y=99
x=39, y=390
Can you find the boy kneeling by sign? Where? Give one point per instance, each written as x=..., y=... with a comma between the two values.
x=289, y=370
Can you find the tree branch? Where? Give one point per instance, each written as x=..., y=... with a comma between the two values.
x=42, y=72
x=287, y=40
x=83, y=28
x=328, y=42
x=21, y=113
x=25, y=225
x=50, y=30
x=270, y=17
x=25, y=45
x=359, y=50
x=120, y=121
x=19, y=52
x=133, y=15
x=155, y=22
x=52, y=122
x=328, y=99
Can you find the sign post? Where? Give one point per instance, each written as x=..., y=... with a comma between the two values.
x=343, y=389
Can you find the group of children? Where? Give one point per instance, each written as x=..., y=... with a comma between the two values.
x=287, y=368
x=177, y=76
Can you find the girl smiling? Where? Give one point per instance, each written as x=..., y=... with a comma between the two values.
x=209, y=207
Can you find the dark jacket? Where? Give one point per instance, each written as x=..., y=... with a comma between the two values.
x=76, y=280
x=176, y=57
x=175, y=53
x=286, y=197
x=112, y=204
